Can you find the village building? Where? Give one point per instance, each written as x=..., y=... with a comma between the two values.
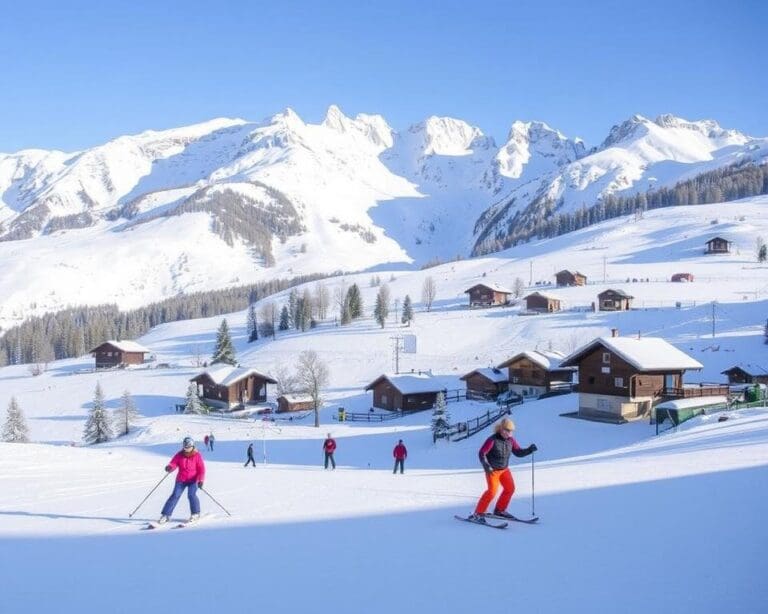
x=682, y=277
x=746, y=373
x=622, y=378
x=231, y=387
x=486, y=383
x=111, y=354
x=488, y=295
x=406, y=391
x=542, y=303
x=570, y=278
x=718, y=245
x=533, y=373
x=294, y=402
x=614, y=300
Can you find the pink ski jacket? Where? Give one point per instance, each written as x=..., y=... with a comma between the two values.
x=191, y=468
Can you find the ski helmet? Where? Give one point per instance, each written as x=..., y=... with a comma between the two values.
x=188, y=443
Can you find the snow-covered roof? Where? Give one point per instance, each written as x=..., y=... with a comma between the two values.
x=492, y=374
x=546, y=359
x=225, y=375
x=693, y=402
x=547, y=296
x=643, y=353
x=492, y=285
x=415, y=383
x=748, y=368
x=296, y=397
x=617, y=292
x=126, y=346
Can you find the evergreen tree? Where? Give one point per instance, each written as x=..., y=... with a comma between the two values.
x=355, y=302
x=97, y=427
x=224, y=352
x=253, y=324
x=194, y=404
x=284, y=319
x=407, y=311
x=15, y=428
x=127, y=413
x=381, y=307
x=441, y=419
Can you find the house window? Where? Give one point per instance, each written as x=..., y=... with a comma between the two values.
x=383, y=399
x=591, y=379
x=606, y=358
x=618, y=382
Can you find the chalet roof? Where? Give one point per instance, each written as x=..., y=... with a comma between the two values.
x=644, y=353
x=693, y=402
x=296, y=397
x=226, y=375
x=620, y=293
x=491, y=286
x=414, y=383
x=124, y=346
x=748, y=368
x=542, y=295
x=548, y=360
x=718, y=239
x=574, y=273
x=492, y=374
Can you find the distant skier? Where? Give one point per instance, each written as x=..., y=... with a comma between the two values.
x=250, y=456
x=205, y=441
x=191, y=476
x=400, y=453
x=211, y=440
x=329, y=447
x=494, y=456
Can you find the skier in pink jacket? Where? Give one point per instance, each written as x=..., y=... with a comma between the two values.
x=191, y=476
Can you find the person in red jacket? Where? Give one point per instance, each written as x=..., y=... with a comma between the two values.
x=329, y=447
x=191, y=476
x=494, y=456
x=400, y=453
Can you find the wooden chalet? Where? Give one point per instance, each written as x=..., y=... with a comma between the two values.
x=488, y=295
x=486, y=383
x=570, y=278
x=614, y=300
x=533, y=373
x=622, y=378
x=746, y=374
x=406, y=392
x=682, y=277
x=542, y=303
x=231, y=387
x=718, y=245
x=294, y=402
x=111, y=354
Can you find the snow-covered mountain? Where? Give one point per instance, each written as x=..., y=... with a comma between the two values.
x=231, y=201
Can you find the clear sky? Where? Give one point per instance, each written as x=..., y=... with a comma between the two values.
x=76, y=74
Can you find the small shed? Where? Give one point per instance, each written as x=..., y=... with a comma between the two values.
x=487, y=382
x=406, y=392
x=112, y=354
x=682, y=277
x=542, y=303
x=570, y=278
x=718, y=245
x=229, y=387
x=294, y=402
x=746, y=373
x=488, y=295
x=680, y=410
x=614, y=300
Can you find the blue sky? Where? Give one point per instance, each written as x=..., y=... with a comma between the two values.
x=76, y=74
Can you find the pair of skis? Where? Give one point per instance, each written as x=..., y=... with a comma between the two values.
x=153, y=525
x=497, y=525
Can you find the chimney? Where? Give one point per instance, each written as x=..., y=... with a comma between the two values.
x=614, y=332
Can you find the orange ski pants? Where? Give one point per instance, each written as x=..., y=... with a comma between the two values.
x=495, y=478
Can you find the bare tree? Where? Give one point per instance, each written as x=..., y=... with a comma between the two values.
x=286, y=381
x=518, y=287
x=322, y=301
x=268, y=317
x=312, y=376
x=428, y=292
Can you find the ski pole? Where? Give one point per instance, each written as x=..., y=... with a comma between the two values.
x=214, y=500
x=147, y=497
x=533, y=486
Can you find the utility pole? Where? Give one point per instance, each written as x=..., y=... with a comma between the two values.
x=397, y=339
x=713, y=318
x=604, y=268
x=530, y=276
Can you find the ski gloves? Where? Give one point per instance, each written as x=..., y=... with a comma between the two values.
x=199, y=484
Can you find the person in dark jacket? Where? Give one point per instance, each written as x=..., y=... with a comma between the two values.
x=494, y=456
x=329, y=447
x=250, y=456
x=400, y=453
x=191, y=475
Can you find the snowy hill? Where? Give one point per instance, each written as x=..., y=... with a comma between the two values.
x=629, y=520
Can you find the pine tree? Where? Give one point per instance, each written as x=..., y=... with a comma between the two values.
x=441, y=419
x=97, y=427
x=253, y=324
x=15, y=429
x=407, y=311
x=193, y=405
x=285, y=323
x=355, y=302
x=224, y=352
x=127, y=413
x=381, y=308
